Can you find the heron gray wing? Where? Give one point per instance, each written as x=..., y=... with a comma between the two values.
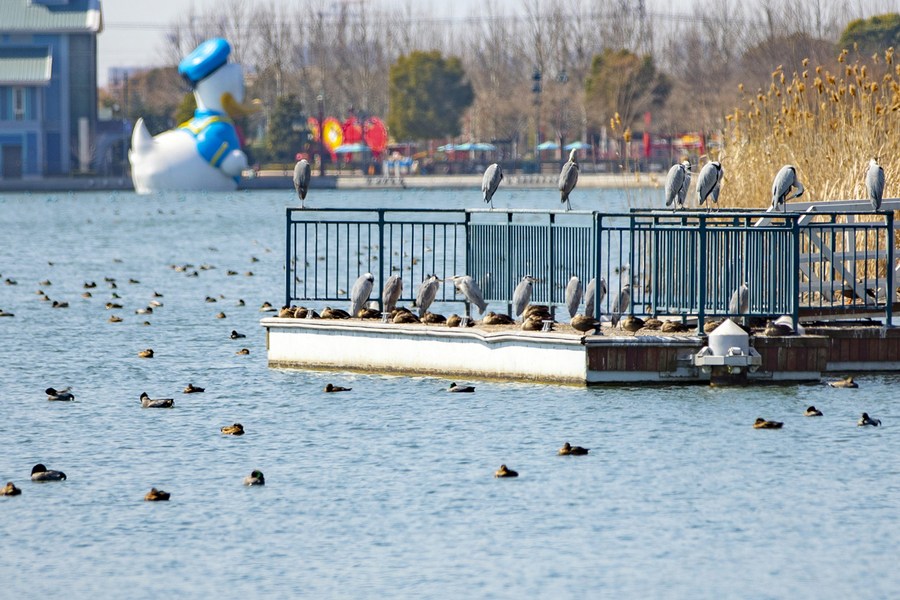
x=491, y=181
x=301, y=178
x=685, y=185
x=391, y=293
x=360, y=292
x=574, y=292
x=521, y=297
x=674, y=182
x=875, y=185
x=706, y=181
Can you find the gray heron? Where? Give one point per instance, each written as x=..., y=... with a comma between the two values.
x=591, y=293
x=677, y=182
x=391, y=293
x=427, y=293
x=709, y=182
x=493, y=175
x=522, y=294
x=781, y=187
x=875, y=183
x=740, y=300
x=468, y=288
x=301, y=179
x=574, y=293
x=568, y=177
x=360, y=292
x=621, y=303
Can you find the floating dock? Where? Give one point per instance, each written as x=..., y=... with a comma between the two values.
x=510, y=354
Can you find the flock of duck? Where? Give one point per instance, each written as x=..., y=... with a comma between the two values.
x=40, y=473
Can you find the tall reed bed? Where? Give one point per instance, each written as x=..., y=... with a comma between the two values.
x=826, y=124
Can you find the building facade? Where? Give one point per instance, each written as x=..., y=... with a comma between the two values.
x=48, y=87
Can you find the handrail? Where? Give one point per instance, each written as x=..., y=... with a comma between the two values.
x=683, y=264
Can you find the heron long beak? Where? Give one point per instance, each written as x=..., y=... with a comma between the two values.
x=235, y=109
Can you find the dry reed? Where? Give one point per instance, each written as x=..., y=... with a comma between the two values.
x=828, y=125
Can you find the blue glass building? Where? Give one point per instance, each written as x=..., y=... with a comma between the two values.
x=48, y=87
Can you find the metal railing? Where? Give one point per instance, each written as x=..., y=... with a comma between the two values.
x=684, y=264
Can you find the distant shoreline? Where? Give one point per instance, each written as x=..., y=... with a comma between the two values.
x=277, y=180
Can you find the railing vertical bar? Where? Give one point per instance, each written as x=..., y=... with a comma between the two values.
x=889, y=293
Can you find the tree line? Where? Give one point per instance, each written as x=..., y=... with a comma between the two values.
x=574, y=67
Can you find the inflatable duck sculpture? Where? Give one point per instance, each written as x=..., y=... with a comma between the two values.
x=203, y=153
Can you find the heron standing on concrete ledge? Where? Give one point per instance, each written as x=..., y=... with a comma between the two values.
x=574, y=292
x=468, y=288
x=360, y=292
x=391, y=293
x=301, y=179
x=427, y=293
x=522, y=295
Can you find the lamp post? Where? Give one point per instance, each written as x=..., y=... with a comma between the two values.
x=536, y=90
x=321, y=100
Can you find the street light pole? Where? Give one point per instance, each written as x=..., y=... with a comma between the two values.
x=321, y=100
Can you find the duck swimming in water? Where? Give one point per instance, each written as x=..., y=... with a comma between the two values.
x=10, y=490
x=192, y=389
x=465, y=389
x=569, y=450
x=148, y=402
x=255, y=478
x=846, y=382
x=763, y=424
x=155, y=495
x=148, y=353
x=503, y=471
x=236, y=429
x=865, y=420
x=40, y=473
x=336, y=388
x=812, y=411
x=62, y=395
x=243, y=351
x=237, y=336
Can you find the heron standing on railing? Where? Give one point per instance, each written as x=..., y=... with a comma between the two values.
x=678, y=181
x=709, y=182
x=875, y=183
x=568, y=177
x=785, y=180
x=493, y=175
x=301, y=179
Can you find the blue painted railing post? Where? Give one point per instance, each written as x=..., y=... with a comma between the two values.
x=795, y=270
x=598, y=251
x=381, y=251
x=631, y=272
x=701, y=274
x=551, y=260
x=510, y=282
x=890, y=294
x=288, y=252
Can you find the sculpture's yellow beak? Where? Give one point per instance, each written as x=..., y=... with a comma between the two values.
x=235, y=109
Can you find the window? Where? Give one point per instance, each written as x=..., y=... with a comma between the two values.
x=19, y=104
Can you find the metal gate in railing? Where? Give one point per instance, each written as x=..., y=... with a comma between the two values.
x=683, y=264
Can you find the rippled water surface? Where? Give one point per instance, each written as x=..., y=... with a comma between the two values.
x=387, y=491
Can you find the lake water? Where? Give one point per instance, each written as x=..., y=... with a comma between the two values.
x=387, y=491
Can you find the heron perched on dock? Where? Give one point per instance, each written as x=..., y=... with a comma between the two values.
x=568, y=177
x=709, y=183
x=678, y=181
x=785, y=180
x=522, y=294
x=875, y=183
x=391, y=292
x=427, y=293
x=574, y=293
x=493, y=175
x=360, y=292
x=621, y=303
x=301, y=179
x=468, y=288
x=740, y=300
x=591, y=292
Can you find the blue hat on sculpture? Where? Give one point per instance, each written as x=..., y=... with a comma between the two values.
x=203, y=62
